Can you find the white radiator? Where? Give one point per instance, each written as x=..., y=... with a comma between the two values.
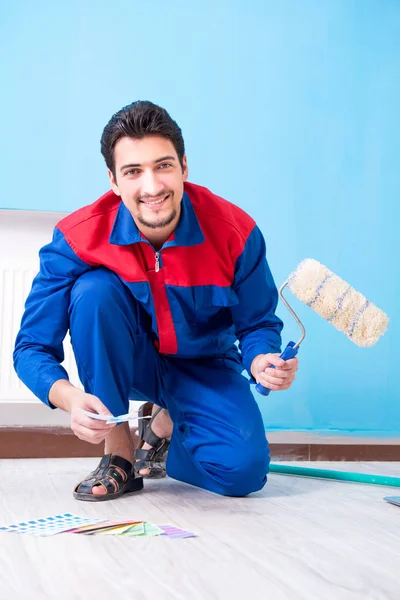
x=15, y=284
x=22, y=234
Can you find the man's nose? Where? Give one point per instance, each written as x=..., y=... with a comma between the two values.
x=151, y=185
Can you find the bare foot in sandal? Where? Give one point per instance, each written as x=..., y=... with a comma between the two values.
x=114, y=475
x=118, y=442
x=161, y=426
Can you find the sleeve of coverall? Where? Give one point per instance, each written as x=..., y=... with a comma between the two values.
x=257, y=327
x=38, y=348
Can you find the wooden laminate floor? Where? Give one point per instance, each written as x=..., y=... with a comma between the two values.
x=298, y=539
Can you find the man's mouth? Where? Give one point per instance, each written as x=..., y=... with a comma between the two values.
x=152, y=203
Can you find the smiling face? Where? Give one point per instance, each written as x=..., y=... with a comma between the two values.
x=149, y=178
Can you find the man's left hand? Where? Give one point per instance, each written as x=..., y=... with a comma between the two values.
x=278, y=379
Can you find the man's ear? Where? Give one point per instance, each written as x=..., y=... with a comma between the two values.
x=113, y=183
x=185, y=169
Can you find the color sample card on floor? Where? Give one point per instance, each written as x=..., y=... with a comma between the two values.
x=393, y=500
x=151, y=529
x=51, y=525
x=132, y=529
x=176, y=532
x=92, y=529
x=135, y=530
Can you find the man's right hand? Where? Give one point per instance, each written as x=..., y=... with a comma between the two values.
x=85, y=428
x=67, y=397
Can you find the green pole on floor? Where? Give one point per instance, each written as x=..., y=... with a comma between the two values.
x=335, y=475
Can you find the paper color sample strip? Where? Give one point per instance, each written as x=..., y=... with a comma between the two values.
x=176, y=532
x=151, y=529
x=132, y=529
x=51, y=525
x=118, y=419
x=393, y=500
x=135, y=530
x=103, y=527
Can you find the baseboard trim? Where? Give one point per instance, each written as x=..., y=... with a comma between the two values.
x=60, y=442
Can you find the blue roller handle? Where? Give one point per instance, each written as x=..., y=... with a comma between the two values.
x=289, y=352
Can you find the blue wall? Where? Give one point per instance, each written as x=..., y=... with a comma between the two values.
x=289, y=109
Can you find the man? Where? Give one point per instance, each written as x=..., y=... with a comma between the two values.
x=156, y=281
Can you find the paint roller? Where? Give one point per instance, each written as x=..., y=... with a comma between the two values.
x=336, y=302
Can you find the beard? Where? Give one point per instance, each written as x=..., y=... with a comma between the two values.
x=160, y=223
x=163, y=221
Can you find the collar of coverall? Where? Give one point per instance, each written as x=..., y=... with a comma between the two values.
x=187, y=233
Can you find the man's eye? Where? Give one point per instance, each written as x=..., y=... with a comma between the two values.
x=165, y=165
x=132, y=172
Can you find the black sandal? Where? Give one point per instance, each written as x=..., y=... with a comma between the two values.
x=115, y=474
x=155, y=457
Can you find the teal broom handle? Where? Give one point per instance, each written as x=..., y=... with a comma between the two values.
x=336, y=475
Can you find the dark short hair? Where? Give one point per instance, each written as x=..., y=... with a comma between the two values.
x=137, y=120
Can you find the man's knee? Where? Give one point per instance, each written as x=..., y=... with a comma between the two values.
x=240, y=471
x=95, y=288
